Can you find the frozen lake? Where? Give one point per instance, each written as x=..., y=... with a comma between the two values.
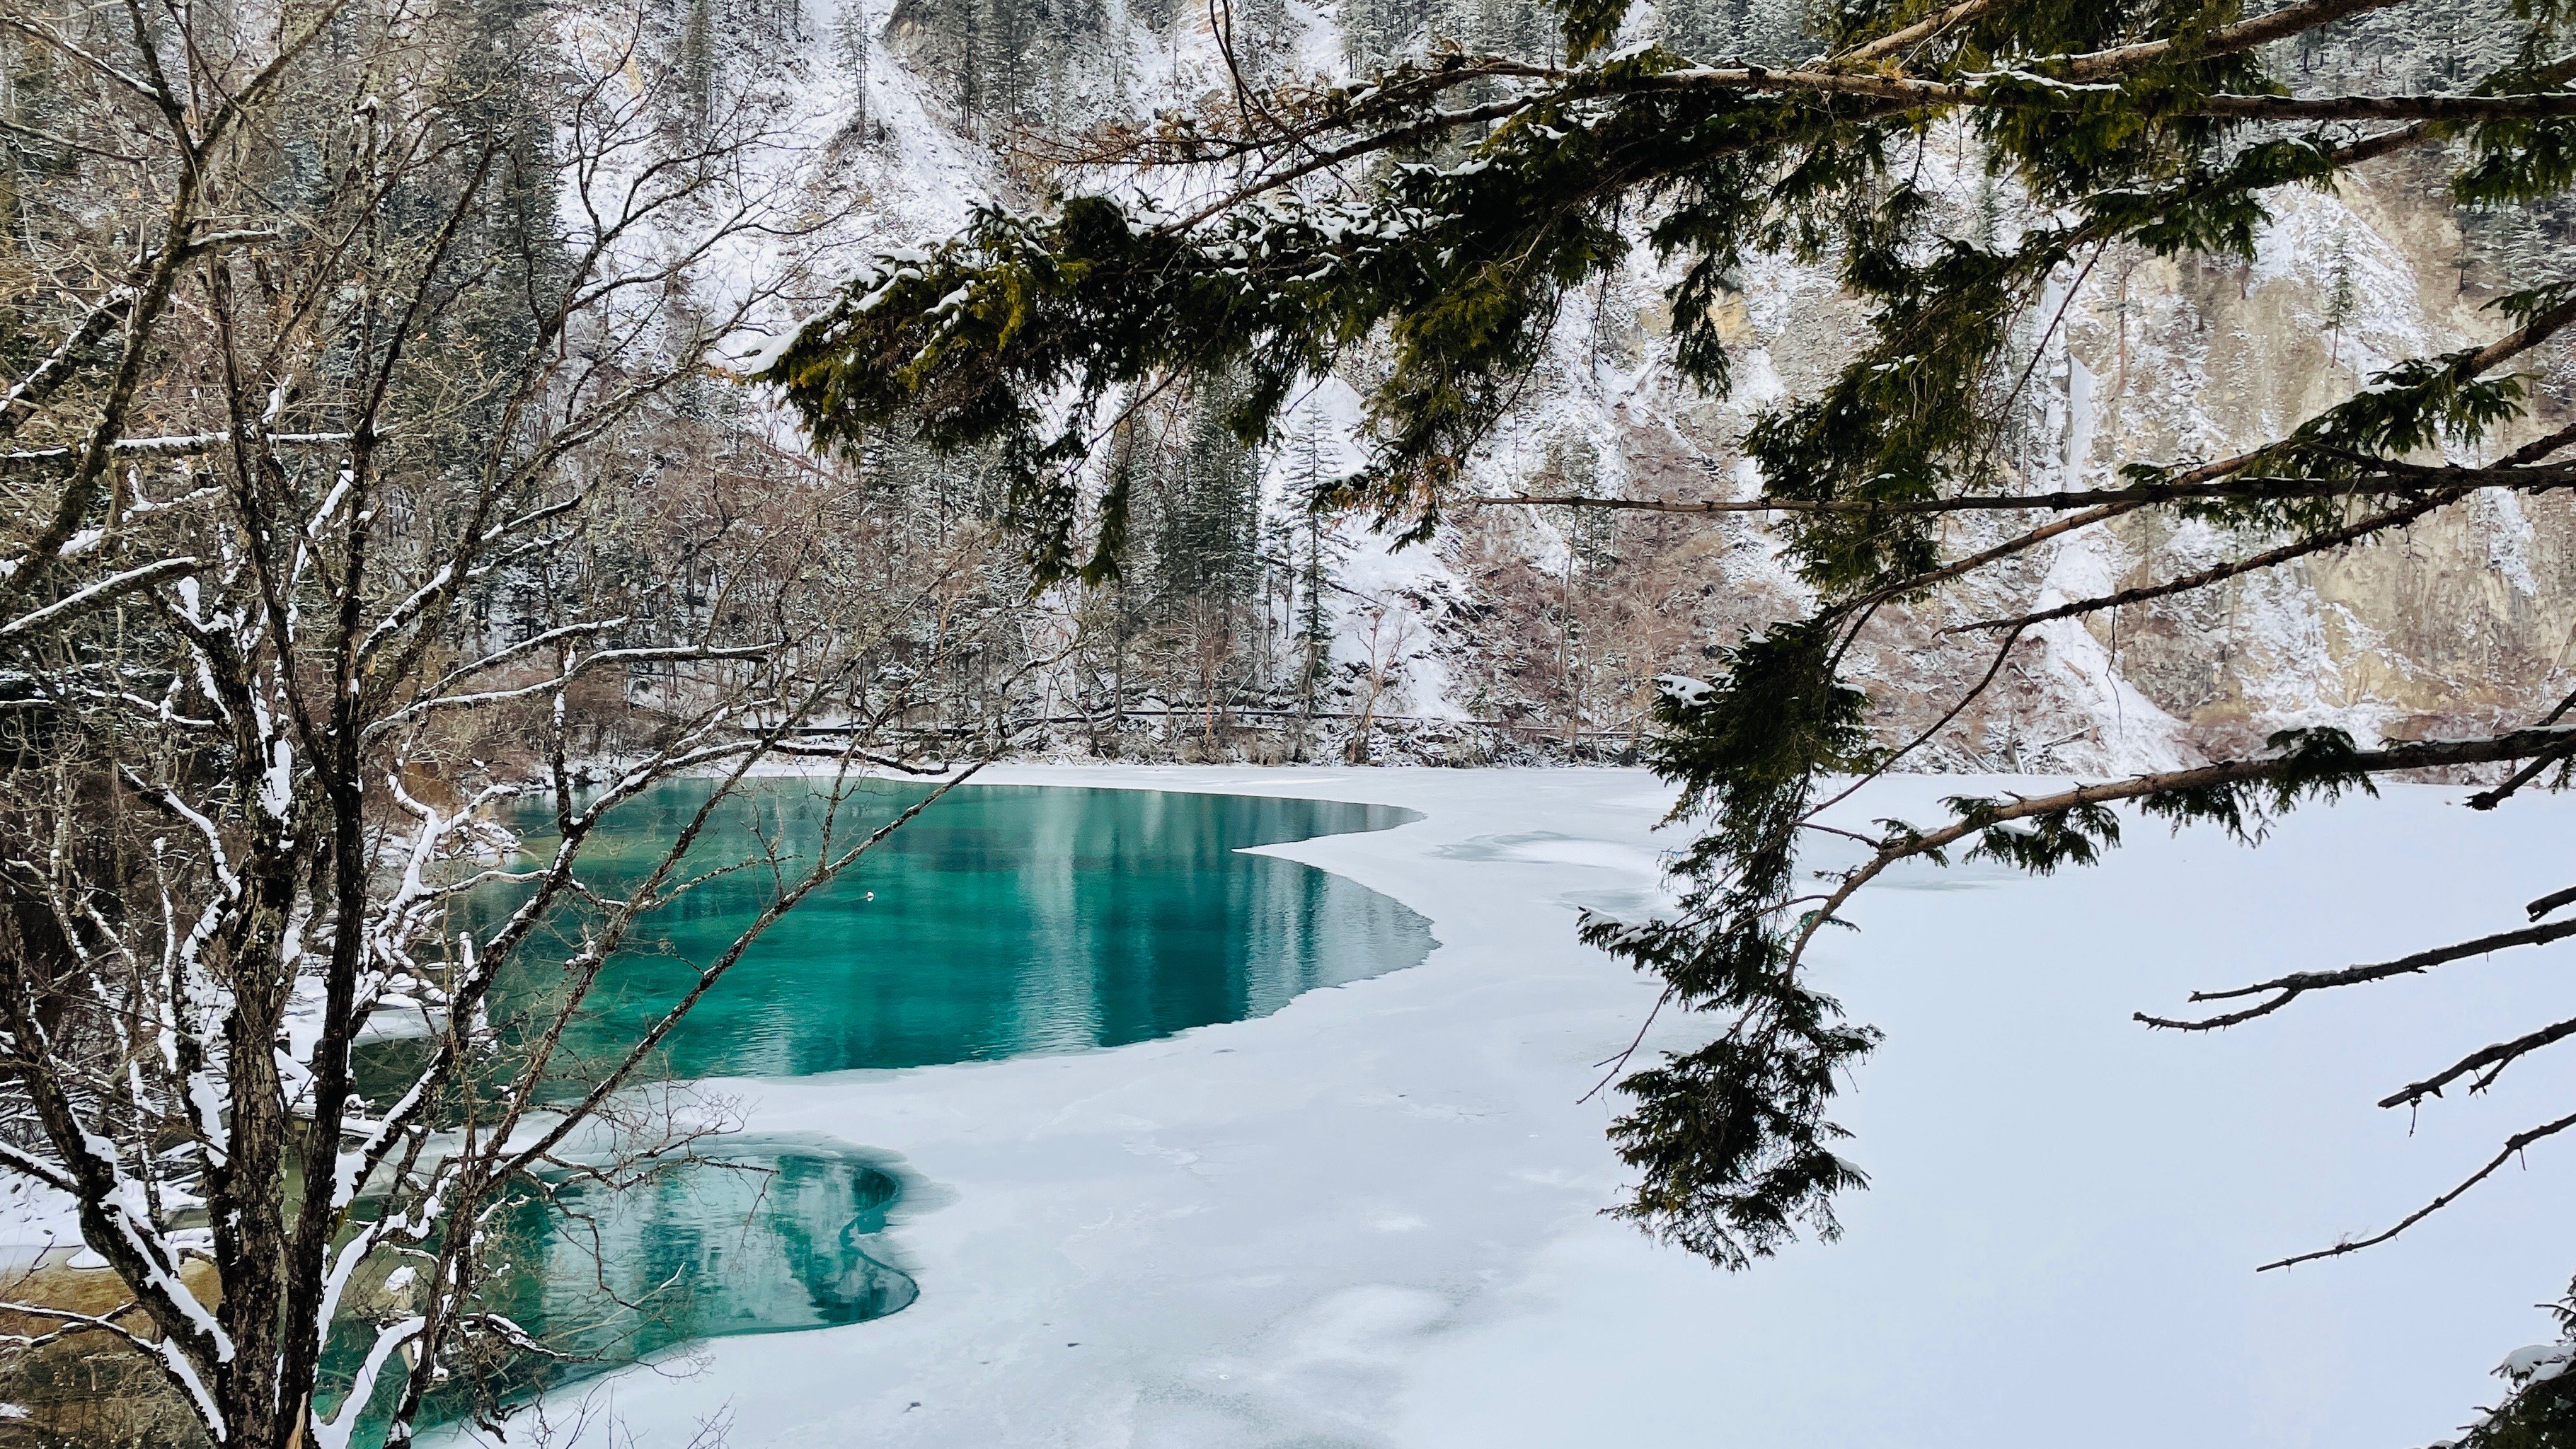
x=1370, y=1218
x=1003, y=921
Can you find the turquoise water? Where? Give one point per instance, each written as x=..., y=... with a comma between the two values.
x=1004, y=920
x=749, y=1238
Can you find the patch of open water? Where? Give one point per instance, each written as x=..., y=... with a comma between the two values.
x=1004, y=920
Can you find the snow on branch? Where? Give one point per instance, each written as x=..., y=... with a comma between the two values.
x=188, y=445
x=103, y=592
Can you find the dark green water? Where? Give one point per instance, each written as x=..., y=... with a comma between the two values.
x=1004, y=920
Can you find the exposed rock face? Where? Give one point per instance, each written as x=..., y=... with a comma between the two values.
x=2462, y=623
x=2465, y=623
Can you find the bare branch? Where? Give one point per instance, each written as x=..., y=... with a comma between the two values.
x=2513, y=1148
x=2234, y=488
x=2289, y=988
x=2488, y=1062
x=189, y=446
x=30, y=392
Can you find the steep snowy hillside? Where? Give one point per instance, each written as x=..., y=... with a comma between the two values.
x=1530, y=628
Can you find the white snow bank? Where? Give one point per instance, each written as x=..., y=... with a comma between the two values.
x=1369, y=1218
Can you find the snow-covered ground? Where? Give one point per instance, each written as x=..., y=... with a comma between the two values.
x=1370, y=1218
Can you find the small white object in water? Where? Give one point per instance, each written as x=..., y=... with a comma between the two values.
x=872, y=895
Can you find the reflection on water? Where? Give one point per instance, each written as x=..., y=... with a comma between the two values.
x=739, y=1244
x=764, y=1238
x=1004, y=920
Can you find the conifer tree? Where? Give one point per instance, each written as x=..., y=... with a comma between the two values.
x=2341, y=299
x=1206, y=556
x=850, y=52
x=1704, y=31
x=1314, y=556
x=1476, y=192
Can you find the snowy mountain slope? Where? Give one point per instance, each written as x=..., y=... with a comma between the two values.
x=1560, y=623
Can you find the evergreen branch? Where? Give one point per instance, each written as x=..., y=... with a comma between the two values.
x=2245, y=35
x=2189, y=788
x=2371, y=148
x=2529, y=335
x=1924, y=29
x=2516, y=463
x=1960, y=568
x=2007, y=92
x=2002, y=91
x=2015, y=90
x=2383, y=108
x=1436, y=124
x=2490, y=799
x=2020, y=543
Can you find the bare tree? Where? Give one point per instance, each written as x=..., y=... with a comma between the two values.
x=324, y=532
x=1384, y=632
